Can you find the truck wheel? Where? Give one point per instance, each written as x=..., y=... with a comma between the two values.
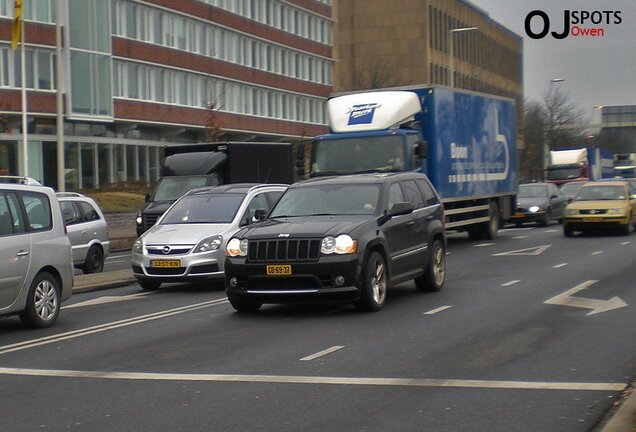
x=373, y=293
x=42, y=303
x=433, y=279
x=491, y=228
x=148, y=285
x=94, y=262
x=244, y=306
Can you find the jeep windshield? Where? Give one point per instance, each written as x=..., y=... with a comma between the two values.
x=204, y=208
x=172, y=188
x=327, y=200
x=357, y=155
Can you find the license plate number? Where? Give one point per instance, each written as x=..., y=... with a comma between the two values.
x=165, y=263
x=592, y=219
x=278, y=270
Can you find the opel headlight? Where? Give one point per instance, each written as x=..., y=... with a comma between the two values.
x=236, y=247
x=535, y=209
x=138, y=247
x=209, y=244
x=343, y=244
x=616, y=211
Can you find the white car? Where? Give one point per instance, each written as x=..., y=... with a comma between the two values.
x=187, y=244
x=87, y=230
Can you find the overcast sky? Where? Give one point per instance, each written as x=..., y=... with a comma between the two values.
x=597, y=70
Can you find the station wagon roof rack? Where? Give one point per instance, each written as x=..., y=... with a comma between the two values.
x=68, y=194
x=20, y=180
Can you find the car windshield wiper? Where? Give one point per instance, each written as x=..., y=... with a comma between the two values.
x=321, y=214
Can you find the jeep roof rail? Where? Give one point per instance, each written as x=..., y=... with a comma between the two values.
x=20, y=180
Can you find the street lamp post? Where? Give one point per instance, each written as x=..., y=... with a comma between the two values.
x=451, y=63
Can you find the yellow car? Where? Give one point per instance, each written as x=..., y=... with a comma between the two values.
x=601, y=205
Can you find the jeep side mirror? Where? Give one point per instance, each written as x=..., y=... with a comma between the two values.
x=147, y=197
x=398, y=209
x=259, y=215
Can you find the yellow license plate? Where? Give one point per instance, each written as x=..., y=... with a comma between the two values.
x=278, y=270
x=165, y=263
x=592, y=219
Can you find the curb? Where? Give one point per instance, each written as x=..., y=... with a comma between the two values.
x=102, y=281
x=624, y=418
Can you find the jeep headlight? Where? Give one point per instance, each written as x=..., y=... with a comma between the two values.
x=343, y=244
x=209, y=244
x=616, y=211
x=138, y=246
x=236, y=247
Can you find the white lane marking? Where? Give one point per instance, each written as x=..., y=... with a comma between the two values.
x=484, y=244
x=108, y=326
x=597, y=306
x=322, y=353
x=304, y=379
x=106, y=300
x=596, y=253
x=551, y=231
x=117, y=261
x=512, y=282
x=520, y=237
x=625, y=243
x=439, y=309
x=560, y=265
x=536, y=250
x=516, y=229
x=118, y=256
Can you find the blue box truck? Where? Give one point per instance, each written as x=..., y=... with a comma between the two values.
x=465, y=142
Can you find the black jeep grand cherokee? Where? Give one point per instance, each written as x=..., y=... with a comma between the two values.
x=342, y=238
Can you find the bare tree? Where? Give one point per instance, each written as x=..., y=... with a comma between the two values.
x=213, y=126
x=377, y=74
x=532, y=155
x=564, y=121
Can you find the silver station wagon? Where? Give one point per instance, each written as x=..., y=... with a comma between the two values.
x=87, y=230
x=187, y=244
x=36, y=274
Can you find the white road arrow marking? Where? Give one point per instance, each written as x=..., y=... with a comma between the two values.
x=597, y=306
x=105, y=300
x=537, y=250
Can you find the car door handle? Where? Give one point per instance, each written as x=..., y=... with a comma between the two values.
x=22, y=253
x=429, y=217
x=84, y=232
x=410, y=223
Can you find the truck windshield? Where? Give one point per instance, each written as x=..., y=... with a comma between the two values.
x=351, y=155
x=564, y=173
x=204, y=208
x=172, y=188
x=352, y=199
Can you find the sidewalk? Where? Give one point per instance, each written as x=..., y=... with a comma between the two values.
x=624, y=418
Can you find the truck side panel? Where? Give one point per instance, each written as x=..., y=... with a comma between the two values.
x=472, y=143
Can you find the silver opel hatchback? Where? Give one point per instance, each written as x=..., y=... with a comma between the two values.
x=36, y=272
x=187, y=244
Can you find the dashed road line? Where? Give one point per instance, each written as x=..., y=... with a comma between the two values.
x=625, y=243
x=519, y=237
x=483, y=244
x=596, y=253
x=512, y=282
x=551, y=231
x=318, y=380
x=322, y=353
x=112, y=257
x=439, y=309
x=560, y=265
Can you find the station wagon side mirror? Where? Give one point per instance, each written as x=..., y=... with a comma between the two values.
x=554, y=196
x=398, y=209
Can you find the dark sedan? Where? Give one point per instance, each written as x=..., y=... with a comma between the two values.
x=343, y=238
x=540, y=203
